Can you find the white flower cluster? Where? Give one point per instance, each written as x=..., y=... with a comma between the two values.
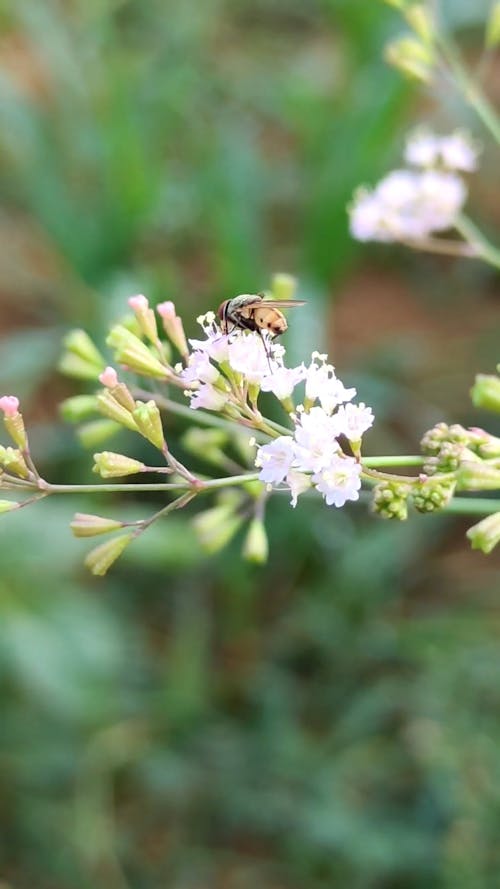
x=311, y=454
x=408, y=205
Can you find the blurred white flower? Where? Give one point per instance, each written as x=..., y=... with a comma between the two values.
x=247, y=355
x=298, y=482
x=315, y=435
x=339, y=481
x=407, y=205
x=199, y=369
x=457, y=151
x=216, y=343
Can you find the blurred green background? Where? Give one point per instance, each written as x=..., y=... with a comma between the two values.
x=332, y=719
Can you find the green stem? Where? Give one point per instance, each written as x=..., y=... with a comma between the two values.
x=472, y=506
x=484, y=249
x=470, y=90
x=403, y=460
x=209, y=485
x=443, y=246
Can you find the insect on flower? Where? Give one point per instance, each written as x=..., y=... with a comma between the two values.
x=251, y=311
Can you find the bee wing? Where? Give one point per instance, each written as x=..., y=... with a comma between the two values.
x=275, y=303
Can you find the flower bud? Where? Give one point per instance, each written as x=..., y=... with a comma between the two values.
x=111, y=408
x=419, y=18
x=73, y=366
x=13, y=420
x=492, y=34
x=431, y=494
x=411, y=57
x=102, y=557
x=13, y=462
x=8, y=505
x=96, y=432
x=87, y=525
x=173, y=327
x=478, y=477
x=145, y=317
x=256, y=546
x=433, y=439
x=215, y=527
x=390, y=500
x=110, y=465
x=485, y=392
x=78, y=407
x=77, y=342
x=206, y=443
x=148, y=421
x=132, y=352
x=283, y=286
x=486, y=534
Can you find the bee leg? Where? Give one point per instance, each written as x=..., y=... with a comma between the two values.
x=266, y=350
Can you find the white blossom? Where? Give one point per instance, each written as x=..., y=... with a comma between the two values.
x=315, y=435
x=247, y=355
x=339, y=481
x=298, y=482
x=322, y=384
x=207, y=397
x=352, y=420
x=454, y=152
x=407, y=205
x=282, y=381
x=275, y=459
x=216, y=343
x=199, y=369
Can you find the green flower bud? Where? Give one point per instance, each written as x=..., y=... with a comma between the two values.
x=283, y=286
x=256, y=546
x=77, y=408
x=111, y=408
x=486, y=534
x=100, y=559
x=8, y=505
x=77, y=342
x=12, y=461
x=215, y=527
x=411, y=57
x=390, y=500
x=87, y=525
x=485, y=392
x=431, y=494
x=73, y=366
x=173, y=327
x=478, y=476
x=434, y=438
x=14, y=426
x=492, y=34
x=146, y=318
x=419, y=18
x=132, y=352
x=207, y=444
x=96, y=433
x=107, y=464
x=148, y=421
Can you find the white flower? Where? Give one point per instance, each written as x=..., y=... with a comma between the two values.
x=458, y=152
x=339, y=481
x=352, y=420
x=216, y=343
x=298, y=482
x=199, y=369
x=207, y=397
x=322, y=383
x=276, y=459
x=408, y=205
x=454, y=152
x=422, y=149
x=247, y=355
x=315, y=435
x=282, y=381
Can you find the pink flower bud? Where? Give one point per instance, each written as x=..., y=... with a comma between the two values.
x=166, y=309
x=109, y=378
x=138, y=303
x=9, y=404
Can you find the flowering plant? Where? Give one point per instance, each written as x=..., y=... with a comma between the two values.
x=222, y=380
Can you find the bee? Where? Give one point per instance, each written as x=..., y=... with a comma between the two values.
x=251, y=311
